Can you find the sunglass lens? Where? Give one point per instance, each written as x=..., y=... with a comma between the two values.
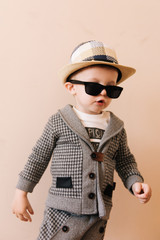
x=93, y=89
x=114, y=91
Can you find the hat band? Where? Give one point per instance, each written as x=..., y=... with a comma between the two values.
x=104, y=58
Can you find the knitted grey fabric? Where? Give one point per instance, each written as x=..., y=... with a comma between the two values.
x=66, y=142
x=53, y=221
x=58, y=225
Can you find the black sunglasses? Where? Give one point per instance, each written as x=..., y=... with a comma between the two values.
x=94, y=89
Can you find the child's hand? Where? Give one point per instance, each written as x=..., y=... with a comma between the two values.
x=142, y=191
x=21, y=206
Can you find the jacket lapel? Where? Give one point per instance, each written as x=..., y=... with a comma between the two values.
x=115, y=125
x=71, y=119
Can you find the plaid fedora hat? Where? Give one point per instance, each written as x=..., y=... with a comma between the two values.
x=93, y=53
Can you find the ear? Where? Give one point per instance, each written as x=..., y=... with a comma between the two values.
x=70, y=88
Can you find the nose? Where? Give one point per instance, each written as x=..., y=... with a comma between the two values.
x=104, y=92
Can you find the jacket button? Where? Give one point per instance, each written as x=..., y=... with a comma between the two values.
x=65, y=229
x=93, y=155
x=91, y=195
x=92, y=175
x=101, y=230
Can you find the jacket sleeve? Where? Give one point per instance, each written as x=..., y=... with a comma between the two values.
x=38, y=159
x=126, y=165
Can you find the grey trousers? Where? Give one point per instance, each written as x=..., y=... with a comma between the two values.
x=58, y=225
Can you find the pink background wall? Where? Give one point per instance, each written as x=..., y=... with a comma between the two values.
x=36, y=39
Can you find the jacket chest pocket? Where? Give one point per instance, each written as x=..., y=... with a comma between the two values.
x=64, y=182
x=108, y=191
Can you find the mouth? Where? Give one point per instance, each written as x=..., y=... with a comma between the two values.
x=100, y=102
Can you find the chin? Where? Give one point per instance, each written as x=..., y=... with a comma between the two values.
x=95, y=112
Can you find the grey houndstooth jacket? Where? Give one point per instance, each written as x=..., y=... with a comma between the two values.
x=80, y=184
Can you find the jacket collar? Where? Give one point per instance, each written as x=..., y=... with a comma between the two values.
x=70, y=118
x=115, y=125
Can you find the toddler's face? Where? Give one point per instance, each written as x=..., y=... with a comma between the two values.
x=87, y=103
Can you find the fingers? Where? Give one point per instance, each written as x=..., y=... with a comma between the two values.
x=137, y=188
x=143, y=198
x=142, y=191
x=27, y=216
x=24, y=216
x=21, y=207
x=30, y=209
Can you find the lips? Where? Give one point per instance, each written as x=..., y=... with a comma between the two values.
x=100, y=102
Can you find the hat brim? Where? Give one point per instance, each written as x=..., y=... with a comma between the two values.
x=67, y=70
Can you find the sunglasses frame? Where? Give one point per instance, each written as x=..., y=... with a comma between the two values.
x=108, y=88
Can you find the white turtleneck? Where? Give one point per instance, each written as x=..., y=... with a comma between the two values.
x=94, y=124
